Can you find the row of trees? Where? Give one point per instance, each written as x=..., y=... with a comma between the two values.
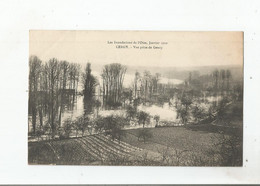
x=146, y=85
x=218, y=81
x=113, y=78
x=110, y=125
x=219, y=85
x=222, y=79
x=52, y=86
x=54, y=82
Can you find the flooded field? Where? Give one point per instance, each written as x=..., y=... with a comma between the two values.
x=166, y=112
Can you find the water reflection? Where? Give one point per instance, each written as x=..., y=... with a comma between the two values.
x=75, y=107
x=78, y=109
x=165, y=112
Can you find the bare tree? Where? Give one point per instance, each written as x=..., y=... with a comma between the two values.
x=53, y=73
x=155, y=81
x=113, y=78
x=228, y=78
x=147, y=78
x=63, y=84
x=136, y=80
x=34, y=76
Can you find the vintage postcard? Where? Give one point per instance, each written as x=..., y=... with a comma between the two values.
x=135, y=98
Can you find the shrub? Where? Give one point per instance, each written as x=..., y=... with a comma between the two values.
x=131, y=112
x=143, y=117
x=111, y=125
x=65, y=131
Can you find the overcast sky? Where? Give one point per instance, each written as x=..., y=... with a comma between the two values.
x=183, y=48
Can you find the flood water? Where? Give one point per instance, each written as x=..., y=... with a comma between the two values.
x=166, y=112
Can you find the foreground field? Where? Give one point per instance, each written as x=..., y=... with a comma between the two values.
x=172, y=146
x=178, y=138
x=177, y=145
x=90, y=150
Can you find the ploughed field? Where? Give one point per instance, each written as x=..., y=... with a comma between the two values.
x=168, y=146
x=93, y=149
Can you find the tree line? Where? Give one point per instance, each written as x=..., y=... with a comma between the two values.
x=113, y=78
x=52, y=86
x=146, y=85
x=193, y=93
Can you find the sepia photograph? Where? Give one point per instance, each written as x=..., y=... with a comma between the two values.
x=135, y=98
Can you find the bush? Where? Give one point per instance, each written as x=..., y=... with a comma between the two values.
x=39, y=133
x=143, y=118
x=229, y=148
x=198, y=113
x=65, y=131
x=82, y=123
x=112, y=125
x=62, y=135
x=131, y=112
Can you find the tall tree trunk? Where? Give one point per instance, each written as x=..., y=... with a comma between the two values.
x=41, y=117
x=60, y=115
x=34, y=113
